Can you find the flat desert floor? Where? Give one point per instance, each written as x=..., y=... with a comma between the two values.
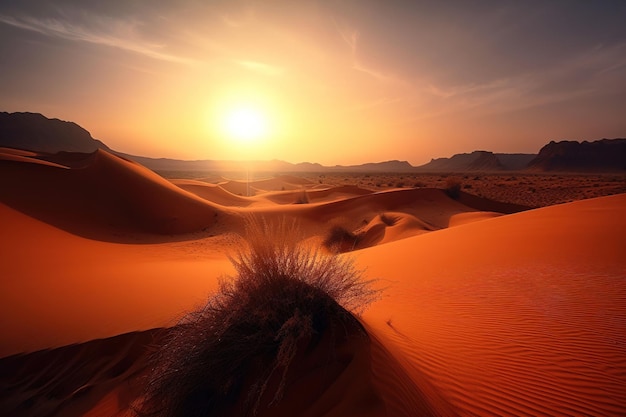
x=500, y=294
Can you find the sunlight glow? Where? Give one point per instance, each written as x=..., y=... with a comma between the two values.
x=245, y=124
x=245, y=120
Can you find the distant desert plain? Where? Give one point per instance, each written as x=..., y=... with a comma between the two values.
x=487, y=293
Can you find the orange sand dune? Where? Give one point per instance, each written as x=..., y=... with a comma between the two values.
x=213, y=193
x=518, y=315
x=240, y=188
x=463, y=218
x=315, y=195
x=105, y=377
x=18, y=155
x=249, y=188
x=523, y=314
x=277, y=183
x=219, y=195
x=390, y=226
x=410, y=212
x=432, y=207
x=105, y=200
x=58, y=288
x=112, y=199
x=19, y=152
x=77, y=379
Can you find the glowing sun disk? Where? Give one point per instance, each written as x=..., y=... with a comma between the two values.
x=245, y=124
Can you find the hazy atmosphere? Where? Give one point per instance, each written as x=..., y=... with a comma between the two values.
x=335, y=82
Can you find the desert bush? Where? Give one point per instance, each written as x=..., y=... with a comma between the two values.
x=339, y=239
x=303, y=197
x=232, y=356
x=453, y=188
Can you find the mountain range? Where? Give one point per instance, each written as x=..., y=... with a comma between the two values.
x=35, y=132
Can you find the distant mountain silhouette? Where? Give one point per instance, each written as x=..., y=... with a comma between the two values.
x=387, y=166
x=478, y=161
x=515, y=161
x=601, y=155
x=165, y=164
x=35, y=132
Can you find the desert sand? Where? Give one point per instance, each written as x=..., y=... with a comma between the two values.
x=486, y=308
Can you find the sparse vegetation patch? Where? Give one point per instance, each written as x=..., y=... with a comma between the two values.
x=234, y=355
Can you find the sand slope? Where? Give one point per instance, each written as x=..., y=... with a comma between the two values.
x=213, y=193
x=105, y=197
x=519, y=315
x=523, y=314
x=78, y=379
x=18, y=155
x=108, y=195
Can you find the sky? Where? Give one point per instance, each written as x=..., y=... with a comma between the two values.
x=333, y=82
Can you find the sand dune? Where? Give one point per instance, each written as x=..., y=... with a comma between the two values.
x=78, y=379
x=58, y=288
x=19, y=152
x=518, y=314
x=253, y=187
x=390, y=226
x=18, y=155
x=213, y=193
x=109, y=197
x=410, y=212
x=105, y=197
x=315, y=195
x=464, y=218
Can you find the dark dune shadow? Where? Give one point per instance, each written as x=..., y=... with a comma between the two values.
x=49, y=382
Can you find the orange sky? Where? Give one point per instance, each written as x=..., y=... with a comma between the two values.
x=338, y=82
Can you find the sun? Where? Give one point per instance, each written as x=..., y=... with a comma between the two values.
x=245, y=124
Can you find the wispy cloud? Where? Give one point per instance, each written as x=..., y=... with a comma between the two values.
x=351, y=38
x=499, y=96
x=262, y=68
x=243, y=18
x=603, y=60
x=376, y=103
x=593, y=72
x=230, y=22
x=119, y=34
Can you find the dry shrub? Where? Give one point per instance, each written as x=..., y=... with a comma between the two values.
x=232, y=357
x=453, y=188
x=339, y=239
x=303, y=197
